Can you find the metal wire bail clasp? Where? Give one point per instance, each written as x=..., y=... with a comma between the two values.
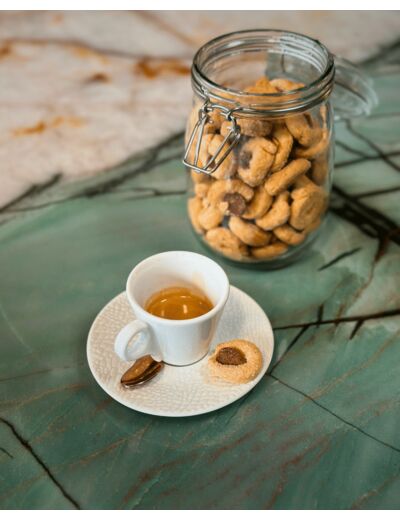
x=222, y=152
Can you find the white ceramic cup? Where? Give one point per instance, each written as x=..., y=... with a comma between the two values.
x=176, y=342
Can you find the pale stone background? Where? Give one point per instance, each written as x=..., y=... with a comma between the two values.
x=82, y=91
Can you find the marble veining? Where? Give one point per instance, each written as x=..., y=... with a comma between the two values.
x=124, y=82
x=321, y=428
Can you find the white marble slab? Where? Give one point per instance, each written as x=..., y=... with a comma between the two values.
x=82, y=91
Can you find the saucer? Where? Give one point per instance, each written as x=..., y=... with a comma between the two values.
x=178, y=391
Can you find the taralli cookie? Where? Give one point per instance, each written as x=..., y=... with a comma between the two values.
x=309, y=202
x=259, y=205
x=257, y=127
x=224, y=190
x=284, y=85
x=315, y=150
x=269, y=251
x=228, y=165
x=320, y=170
x=236, y=361
x=255, y=160
x=253, y=127
x=303, y=181
x=284, y=142
x=288, y=235
x=195, y=206
x=262, y=86
x=304, y=129
x=277, y=215
x=313, y=226
x=281, y=180
x=224, y=241
x=248, y=233
x=303, y=186
x=210, y=217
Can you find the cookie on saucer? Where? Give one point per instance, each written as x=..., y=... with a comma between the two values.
x=236, y=361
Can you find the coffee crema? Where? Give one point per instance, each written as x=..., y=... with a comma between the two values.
x=178, y=303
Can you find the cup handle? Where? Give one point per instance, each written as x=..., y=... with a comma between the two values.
x=134, y=341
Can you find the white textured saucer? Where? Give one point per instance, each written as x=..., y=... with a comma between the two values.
x=177, y=391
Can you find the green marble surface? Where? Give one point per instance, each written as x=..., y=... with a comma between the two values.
x=321, y=430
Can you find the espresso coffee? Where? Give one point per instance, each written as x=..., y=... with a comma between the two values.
x=178, y=303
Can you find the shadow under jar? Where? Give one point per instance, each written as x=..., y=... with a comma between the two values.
x=259, y=142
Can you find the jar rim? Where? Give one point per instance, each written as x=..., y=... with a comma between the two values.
x=295, y=99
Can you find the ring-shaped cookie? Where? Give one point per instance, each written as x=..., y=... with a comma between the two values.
x=270, y=251
x=255, y=160
x=281, y=180
x=307, y=207
x=288, y=235
x=248, y=233
x=259, y=205
x=277, y=215
x=224, y=241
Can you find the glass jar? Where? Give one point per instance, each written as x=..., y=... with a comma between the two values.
x=259, y=142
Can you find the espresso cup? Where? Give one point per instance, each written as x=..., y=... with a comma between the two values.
x=176, y=342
